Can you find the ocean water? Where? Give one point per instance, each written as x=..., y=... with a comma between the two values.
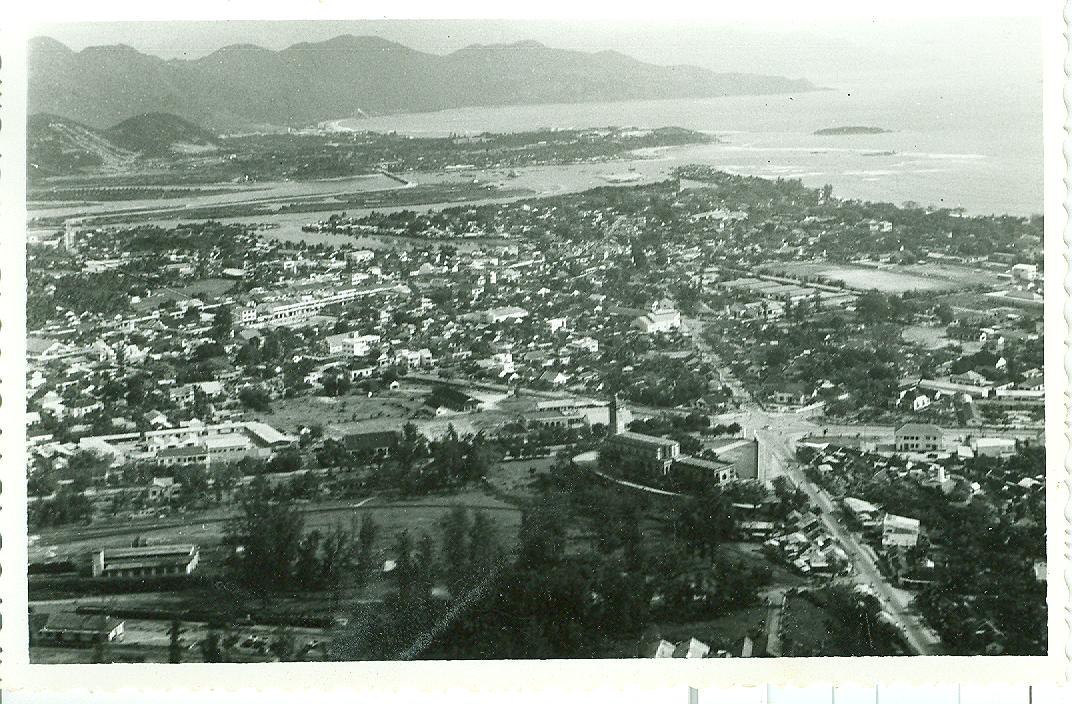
x=974, y=145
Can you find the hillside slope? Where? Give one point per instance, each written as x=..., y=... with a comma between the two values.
x=244, y=86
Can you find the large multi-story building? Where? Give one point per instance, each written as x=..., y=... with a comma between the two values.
x=655, y=452
x=658, y=321
x=918, y=437
x=295, y=310
x=191, y=444
x=351, y=344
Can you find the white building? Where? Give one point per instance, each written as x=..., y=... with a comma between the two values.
x=994, y=447
x=1024, y=272
x=508, y=313
x=351, y=344
x=898, y=531
x=658, y=321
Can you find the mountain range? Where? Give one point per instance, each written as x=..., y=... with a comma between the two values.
x=244, y=86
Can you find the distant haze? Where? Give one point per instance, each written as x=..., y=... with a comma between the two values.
x=1002, y=50
x=963, y=98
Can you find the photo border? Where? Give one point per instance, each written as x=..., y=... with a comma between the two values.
x=18, y=674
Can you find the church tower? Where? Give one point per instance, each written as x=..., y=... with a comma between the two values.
x=615, y=422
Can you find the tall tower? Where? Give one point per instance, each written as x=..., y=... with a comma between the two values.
x=70, y=235
x=615, y=422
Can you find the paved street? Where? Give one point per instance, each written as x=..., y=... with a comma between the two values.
x=777, y=435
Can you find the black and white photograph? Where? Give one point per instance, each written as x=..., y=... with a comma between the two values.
x=539, y=339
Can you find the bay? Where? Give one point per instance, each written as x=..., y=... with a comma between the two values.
x=964, y=145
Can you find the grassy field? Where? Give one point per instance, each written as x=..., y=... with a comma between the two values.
x=515, y=478
x=208, y=287
x=806, y=626
x=931, y=338
x=890, y=278
x=886, y=281
x=385, y=410
x=391, y=408
x=208, y=528
x=423, y=515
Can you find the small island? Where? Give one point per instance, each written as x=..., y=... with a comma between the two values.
x=848, y=130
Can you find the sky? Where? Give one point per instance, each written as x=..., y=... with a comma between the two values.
x=995, y=50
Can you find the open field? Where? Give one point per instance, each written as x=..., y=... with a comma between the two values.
x=515, y=477
x=207, y=287
x=926, y=336
x=385, y=410
x=209, y=527
x=863, y=279
x=423, y=515
x=337, y=413
x=806, y=626
x=889, y=278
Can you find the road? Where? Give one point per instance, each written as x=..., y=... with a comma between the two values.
x=777, y=435
x=725, y=377
x=775, y=599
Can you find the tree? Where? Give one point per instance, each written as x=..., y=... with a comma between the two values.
x=944, y=313
x=255, y=399
x=250, y=354
x=334, y=557
x=282, y=645
x=483, y=547
x=306, y=565
x=175, y=642
x=288, y=459
x=100, y=654
x=706, y=521
x=270, y=533
x=69, y=505
x=404, y=573
x=366, y=540
x=222, y=324
x=542, y=535
x=211, y=649
x=411, y=446
x=873, y=307
x=426, y=570
x=336, y=383
x=455, y=550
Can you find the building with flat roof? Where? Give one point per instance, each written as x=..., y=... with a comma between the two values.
x=898, y=531
x=561, y=418
x=68, y=628
x=296, y=309
x=350, y=344
x=718, y=471
x=146, y=561
x=195, y=443
x=994, y=447
x=505, y=314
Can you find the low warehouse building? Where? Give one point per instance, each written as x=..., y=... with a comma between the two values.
x=148, y=561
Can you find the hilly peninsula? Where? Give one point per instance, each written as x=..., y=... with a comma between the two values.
x=848, y=130
x=245, y=86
